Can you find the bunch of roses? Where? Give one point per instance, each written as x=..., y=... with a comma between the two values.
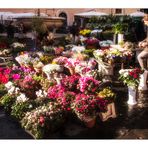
x=88, y=84
x=70, y=82
x=88, y=105
x=4, y=75
x=130, y=77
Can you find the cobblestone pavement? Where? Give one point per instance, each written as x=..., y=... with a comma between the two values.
x=131, y=123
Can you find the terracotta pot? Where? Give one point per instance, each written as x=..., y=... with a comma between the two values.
x=90, y=123
x=110, y=113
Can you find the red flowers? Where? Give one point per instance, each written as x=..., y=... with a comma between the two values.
x=4, y=75
x=41, y=120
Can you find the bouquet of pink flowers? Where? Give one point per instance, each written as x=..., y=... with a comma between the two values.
x=56, y=91
x=70, y=82
x=88, y=85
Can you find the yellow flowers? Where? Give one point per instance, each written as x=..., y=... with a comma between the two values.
x=85, y=32
x=106, y=93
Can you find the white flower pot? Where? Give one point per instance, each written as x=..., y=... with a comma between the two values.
x=143, y=78
x=131, y=96
x=120, y=38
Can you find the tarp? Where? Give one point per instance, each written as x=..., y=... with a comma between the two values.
x=91, y=14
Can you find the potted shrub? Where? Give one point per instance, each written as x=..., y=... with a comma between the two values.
x=119, y=29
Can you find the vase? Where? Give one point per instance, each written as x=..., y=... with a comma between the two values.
x=143, y=81
x=110, y=113
x=132, y=95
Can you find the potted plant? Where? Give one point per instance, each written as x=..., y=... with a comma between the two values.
x=119, y=29
x=86, y=107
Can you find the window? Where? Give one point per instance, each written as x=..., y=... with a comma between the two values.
x=118, y=11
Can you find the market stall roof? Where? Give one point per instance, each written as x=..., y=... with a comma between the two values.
x=91, y=14
x=137, y=14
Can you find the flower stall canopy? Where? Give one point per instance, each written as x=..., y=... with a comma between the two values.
x=137, y=14
x=91, y=14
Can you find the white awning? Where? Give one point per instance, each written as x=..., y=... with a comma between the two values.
x=137, y=14
x=6, y=15
x=91, y=14
x=10, y=15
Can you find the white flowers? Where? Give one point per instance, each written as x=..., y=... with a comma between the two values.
x=51, y=68
x=41, y=93
x=18, y=45
x=9, y=85
x=78, y=49
x=22, y=98
x=12, y=89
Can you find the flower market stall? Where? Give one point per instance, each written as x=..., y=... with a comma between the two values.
x=41, y=89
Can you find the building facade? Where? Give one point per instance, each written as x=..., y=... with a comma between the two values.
x=69, y=13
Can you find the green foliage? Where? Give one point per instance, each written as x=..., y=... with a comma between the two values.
x=89, y=52
x=2, y=90
x=19, y=109
x=7, y=101
x=119, y=28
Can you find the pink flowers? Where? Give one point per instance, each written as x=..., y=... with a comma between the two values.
x=91, y=41
x=41, y=120
x=16, y=76
x=56, y=91
x=88, y=105
x=88, y=84
x=70, y=82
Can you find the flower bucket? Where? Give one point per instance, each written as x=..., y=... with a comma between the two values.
x=131, y=95
x=120, y=38
x=110, y=113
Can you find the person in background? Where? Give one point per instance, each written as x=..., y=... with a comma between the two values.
x=10, y=30
x=144, y=53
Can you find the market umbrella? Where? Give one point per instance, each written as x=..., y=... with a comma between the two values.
x=137, y=14
x=91, y=14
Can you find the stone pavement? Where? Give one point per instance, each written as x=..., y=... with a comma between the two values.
x=131, y=123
